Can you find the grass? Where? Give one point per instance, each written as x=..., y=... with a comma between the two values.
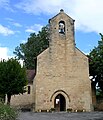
x=7, y=113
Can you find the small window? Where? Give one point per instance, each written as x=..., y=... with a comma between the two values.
x=28, y=89
x=62, y=27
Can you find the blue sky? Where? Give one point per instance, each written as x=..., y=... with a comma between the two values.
x=19, y=18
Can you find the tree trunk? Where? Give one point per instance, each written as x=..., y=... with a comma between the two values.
x=8, y=98
x=2, y=97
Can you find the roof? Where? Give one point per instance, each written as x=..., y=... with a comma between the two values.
x=81, y=52
x=61, y=11
x=30, y=75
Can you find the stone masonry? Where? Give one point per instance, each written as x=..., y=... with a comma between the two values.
x=62, y=78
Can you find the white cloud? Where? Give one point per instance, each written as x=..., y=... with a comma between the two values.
x=9, y=19
x=23, y=41
x=46, y=6
x=21, y=62
x=4, y=53
x=12, y=21
x=16, y=24
x=6, y=5
x=5, y=31
x=29, y=30
x=34, y=28
x=87, y=13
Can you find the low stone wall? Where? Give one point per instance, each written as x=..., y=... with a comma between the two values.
x=25, y=108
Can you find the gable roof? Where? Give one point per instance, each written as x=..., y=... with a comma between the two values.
x=30, y=75
x=81, y=52
x=61, y=11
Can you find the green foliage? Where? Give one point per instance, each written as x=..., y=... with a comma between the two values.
x=29, y=51
x=99, y=93
x=96, y=64
x=2, y=97
x=7, y=113
x=12, y=78
x=69, y=110
x=52, y=109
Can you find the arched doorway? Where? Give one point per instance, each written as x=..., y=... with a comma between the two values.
x=60, y=103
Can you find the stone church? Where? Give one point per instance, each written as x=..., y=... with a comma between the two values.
x=62, y=78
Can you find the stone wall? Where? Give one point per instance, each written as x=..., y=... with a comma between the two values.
x=23, y=100
x=62, y=69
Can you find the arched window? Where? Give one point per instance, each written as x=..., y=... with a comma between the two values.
x=62, y=27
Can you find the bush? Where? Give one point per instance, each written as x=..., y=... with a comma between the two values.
x=7, y=113
x=69, y=110
x=52, y=110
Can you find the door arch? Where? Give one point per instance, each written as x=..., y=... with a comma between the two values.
x=60, y=103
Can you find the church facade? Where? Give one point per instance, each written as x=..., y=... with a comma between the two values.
x=62, y=78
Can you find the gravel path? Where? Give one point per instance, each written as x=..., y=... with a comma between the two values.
x=61, y=116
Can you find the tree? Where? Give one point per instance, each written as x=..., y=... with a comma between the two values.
x=12, y=78
x=29, y=51
x=96, y=64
